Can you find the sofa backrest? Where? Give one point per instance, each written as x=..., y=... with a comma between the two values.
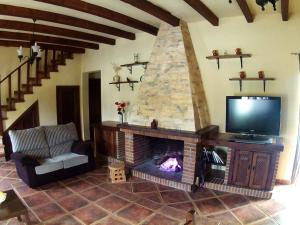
x=31, y=142
x=60, y=138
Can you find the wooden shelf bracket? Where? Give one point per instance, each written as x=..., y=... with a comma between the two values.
x=264, y=80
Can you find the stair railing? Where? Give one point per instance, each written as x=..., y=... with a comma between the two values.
x=47, y=67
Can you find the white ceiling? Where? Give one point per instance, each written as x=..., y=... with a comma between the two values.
x=179, y=8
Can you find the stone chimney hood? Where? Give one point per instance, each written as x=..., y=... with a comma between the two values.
x=172, y=91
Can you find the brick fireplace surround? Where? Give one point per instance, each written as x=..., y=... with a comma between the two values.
x=137, y=146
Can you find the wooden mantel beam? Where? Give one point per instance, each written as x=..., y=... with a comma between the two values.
x=104, y=13
x=154, y=10
x=245, y=9
x=17, y=11
x=39, y=28
x=46, y=39
x=204, y=11
x=25, y=44
x=285, y=10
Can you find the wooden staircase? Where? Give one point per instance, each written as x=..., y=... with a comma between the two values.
x=21, y=85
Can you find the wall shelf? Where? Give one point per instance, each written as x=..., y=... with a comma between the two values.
x=229, y=56
x=130, y=65
x=264, y=80
x=130, y=83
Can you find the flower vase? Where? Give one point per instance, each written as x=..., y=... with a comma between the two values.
x=121, y=118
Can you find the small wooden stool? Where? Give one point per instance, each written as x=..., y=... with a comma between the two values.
x=117, y=172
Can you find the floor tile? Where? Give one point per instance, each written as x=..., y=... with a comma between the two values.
x=111, y=221
x=172, y=212
x=68, y=220
x=226, y=218
x=270, y=207
x=112, y=188
x=94, y=194
x=201, y=194
x=37, y=199
x=187, y=206
x=112, y=203
x=4, y=173
x=79, y=186
x=158, y=219
x=134, y=213
x=174, y=196
x=149, y=204
x=164, y=188
x=127, y=195
x=208, y=206
x=72, y=202
x=248, y=214
x=89, y=214
x=144, y=187
x=8, y=184
x=220, y=193
x=125, y=187
x=93, y=180
x=265, y=222
x=49, y=211
x=287, y=217
x=13, y=174
x=153, y=196
x=25, y=190
x=234, y=201
x=58, y=191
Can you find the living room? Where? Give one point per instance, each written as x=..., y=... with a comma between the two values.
x=234, y=50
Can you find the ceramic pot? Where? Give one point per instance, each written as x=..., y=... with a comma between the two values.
x=215, y=52
x=261, y=74
x=238, y=51
x=242, y=74
x=116, y=78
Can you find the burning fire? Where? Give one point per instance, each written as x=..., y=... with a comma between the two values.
x=171, y=165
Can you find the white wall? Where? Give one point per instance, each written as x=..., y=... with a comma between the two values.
x=268, y=39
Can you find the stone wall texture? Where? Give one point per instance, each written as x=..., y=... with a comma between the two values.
x=172, y=91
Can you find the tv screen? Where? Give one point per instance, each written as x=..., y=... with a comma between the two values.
x=253, y=115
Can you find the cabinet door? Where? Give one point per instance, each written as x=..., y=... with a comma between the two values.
x=242, y=168
x=109, y=142
x=260, y=170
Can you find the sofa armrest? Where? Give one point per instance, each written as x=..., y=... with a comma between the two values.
x=82, y=148
x=24, y=160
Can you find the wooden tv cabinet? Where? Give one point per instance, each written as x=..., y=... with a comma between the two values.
x=250, y=165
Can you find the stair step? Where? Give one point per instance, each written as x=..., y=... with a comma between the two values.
x=23, y=92
x=6, y=108
x=15, y=100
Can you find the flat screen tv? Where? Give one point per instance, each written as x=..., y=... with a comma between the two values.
x=253, y=115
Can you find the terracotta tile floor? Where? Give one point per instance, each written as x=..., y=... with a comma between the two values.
x=92, y=199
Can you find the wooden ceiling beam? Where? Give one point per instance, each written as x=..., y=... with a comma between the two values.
x=17, y=11
x=246, y=10
x=25, y=44
x=154, y=10
x=39, y=28
x=285, y=10
x=204, y=11
x=104, y=13
x=47, y=39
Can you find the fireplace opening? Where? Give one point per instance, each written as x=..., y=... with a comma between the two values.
x=164, y=159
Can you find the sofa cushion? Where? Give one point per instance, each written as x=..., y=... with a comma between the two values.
x=71, y=159
x=48, y=165
x=31, y=142
x=60, y=138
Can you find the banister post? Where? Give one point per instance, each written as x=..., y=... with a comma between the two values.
x=9, y=93
x=28, y=76
x=37, y=74
x=19, y=84
x=54, y=60
x=46, y=63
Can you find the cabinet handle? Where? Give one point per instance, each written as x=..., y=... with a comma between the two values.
x=249, y=167
x=253, y=168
